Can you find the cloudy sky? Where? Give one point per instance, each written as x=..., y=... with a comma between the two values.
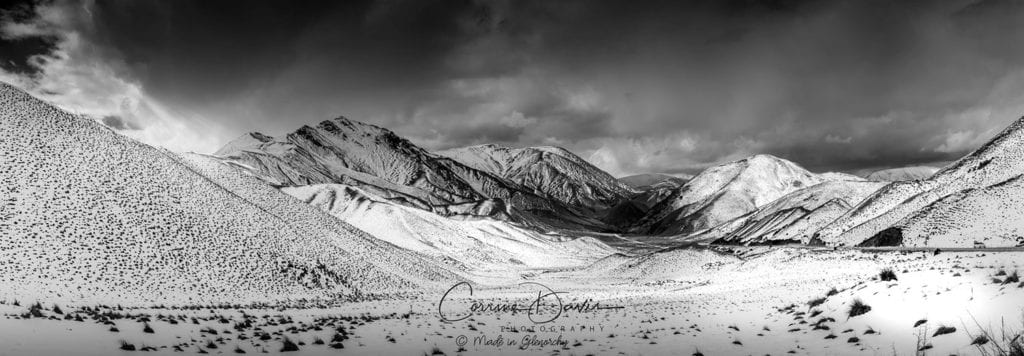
x=671, y=86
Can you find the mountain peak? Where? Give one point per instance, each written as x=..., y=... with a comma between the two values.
x=554, y=171
x=764, y=158
x=726, y=191
x=342, y=123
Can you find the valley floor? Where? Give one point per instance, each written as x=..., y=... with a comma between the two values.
x=765, y=301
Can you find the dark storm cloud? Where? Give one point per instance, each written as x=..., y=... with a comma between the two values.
x=119, y=123
x=670, y=86
x=15, y=52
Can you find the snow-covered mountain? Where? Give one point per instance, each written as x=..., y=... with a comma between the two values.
x=550, y=171
x=377, y=160
x=90, y=215
x=902, y=174
x=794, y=217
x=972, y=199
x=725, y=192
x=650, y=181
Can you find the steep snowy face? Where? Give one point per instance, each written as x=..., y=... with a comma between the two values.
x=550, y=171
x=651, y=181
x=786, y=220
x=725, y=192
x=88, y=215
x=344, y=151
x=902, y=174
x=341, y=150
x=947, y=202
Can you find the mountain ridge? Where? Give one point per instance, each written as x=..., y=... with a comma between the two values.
x=345, y=151
x=551, y=171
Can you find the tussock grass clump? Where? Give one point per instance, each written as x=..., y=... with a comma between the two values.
x=832, y=292
x=287, y=345
x=36, y=310
x=1012, y=278
x=943, y=330
x=887, y=275
x=816, y=302
x=980, y=340
x=857, y=307
x=125, y=345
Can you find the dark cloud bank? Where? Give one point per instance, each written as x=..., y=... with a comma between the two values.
x=669, y=86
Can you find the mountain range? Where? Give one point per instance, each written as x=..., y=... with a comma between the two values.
x=351, y=210
x=761, y=199
x=537, y=187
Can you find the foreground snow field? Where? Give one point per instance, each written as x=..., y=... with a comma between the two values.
x=758, y=301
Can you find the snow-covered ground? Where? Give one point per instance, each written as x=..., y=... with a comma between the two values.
x=754, y=301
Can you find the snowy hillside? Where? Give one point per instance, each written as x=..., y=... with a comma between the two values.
x=793, y=217
x=957, y=205
x=902, y=173
x=725, y=192
x=90, y=215
x=377, y=160
x=475, y=245
x=549, y=171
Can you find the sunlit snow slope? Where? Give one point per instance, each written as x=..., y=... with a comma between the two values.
x=972, y=200
x=476, y=245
